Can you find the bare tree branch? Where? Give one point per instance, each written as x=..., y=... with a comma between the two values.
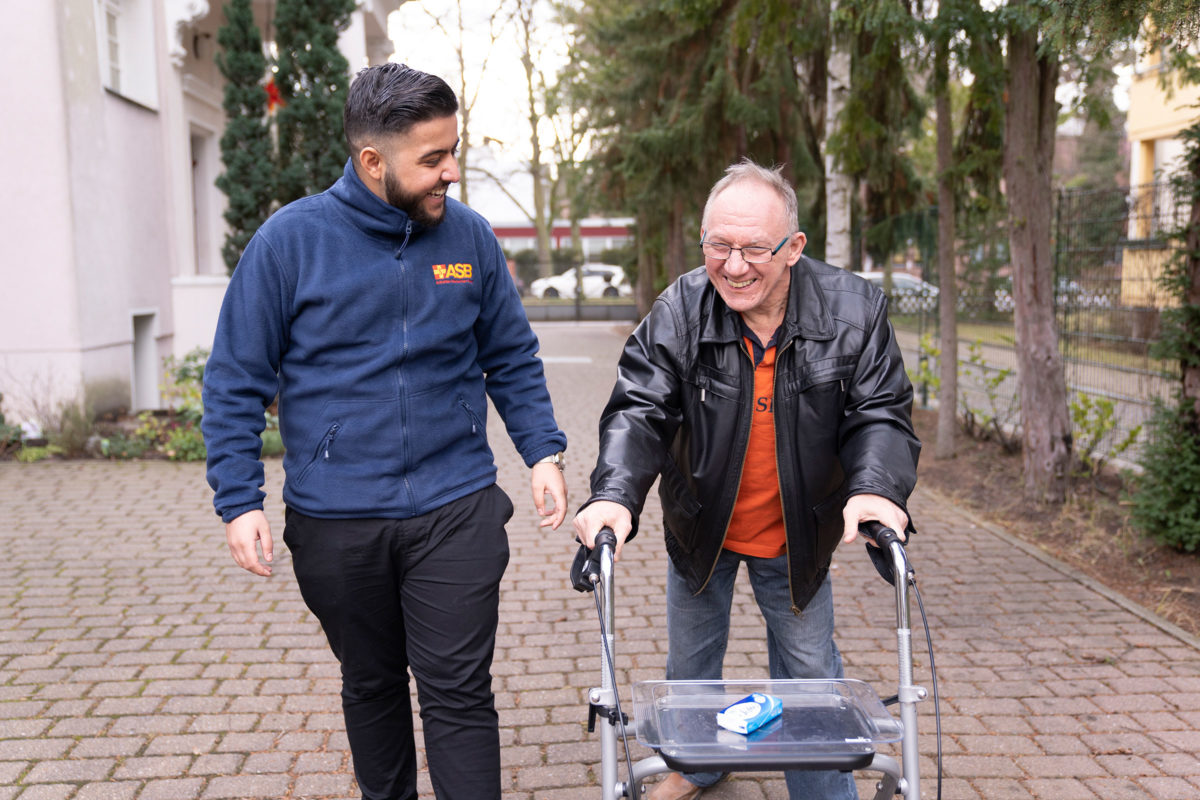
x=503, y=188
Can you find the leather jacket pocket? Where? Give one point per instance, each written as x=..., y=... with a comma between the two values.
x=820, y=377
x=681, y=509
x=829, y=526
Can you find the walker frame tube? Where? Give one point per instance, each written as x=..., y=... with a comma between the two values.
x=897, y=777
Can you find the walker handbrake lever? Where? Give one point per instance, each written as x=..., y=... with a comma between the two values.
x=585, y=570
x=875, y=531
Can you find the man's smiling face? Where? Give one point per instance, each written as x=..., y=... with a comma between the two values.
x=419, y=166
x=751, y=214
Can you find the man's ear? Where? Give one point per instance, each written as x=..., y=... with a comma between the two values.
x=371, y=161
x=796, y=247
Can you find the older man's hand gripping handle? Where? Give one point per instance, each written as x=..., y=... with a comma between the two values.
x=601, y=514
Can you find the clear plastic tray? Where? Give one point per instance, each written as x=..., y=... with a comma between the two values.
x=825, y=724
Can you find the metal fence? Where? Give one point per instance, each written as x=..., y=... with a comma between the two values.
x=1110, y=249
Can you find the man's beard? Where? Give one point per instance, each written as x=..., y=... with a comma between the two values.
x=410, y=203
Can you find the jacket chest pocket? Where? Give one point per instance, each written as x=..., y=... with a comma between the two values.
x=706, y=385
x=818, y=391
x=825, y=375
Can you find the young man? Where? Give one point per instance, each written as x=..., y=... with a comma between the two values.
x=768, y=390
x=383, y=315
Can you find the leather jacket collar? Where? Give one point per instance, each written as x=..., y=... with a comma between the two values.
x=807, y=315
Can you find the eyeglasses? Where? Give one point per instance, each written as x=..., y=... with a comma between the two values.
x=754, y=254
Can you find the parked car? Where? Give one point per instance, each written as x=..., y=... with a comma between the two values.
x=599, y=280
x=1067, y=293
x=909, y=294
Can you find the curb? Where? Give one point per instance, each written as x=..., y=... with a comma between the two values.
x=1144, y=613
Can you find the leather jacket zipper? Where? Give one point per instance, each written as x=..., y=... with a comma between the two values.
x=741, y=468
x=787, y=547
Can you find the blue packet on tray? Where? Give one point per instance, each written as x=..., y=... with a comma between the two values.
x=750, y=713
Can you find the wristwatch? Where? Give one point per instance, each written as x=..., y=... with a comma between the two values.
x=558, y=459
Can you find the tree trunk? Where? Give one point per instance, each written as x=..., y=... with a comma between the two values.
x=646, y=268
x=838, y=186
x=947, y=419
x=542, y=215
x=464, y=107
x=1028, y=156
x=676, y=258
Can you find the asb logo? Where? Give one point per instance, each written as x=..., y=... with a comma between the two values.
x=452, y=273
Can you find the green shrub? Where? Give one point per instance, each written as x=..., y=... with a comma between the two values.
x=925, y=375
x=998, y=419
x=28, y=455
x=1165, y=503
x=272, y=443
x=185, y=443
x=121, y=446
x=185, y=380
x=10, y=435
x=1095, y=425
x=76, y=424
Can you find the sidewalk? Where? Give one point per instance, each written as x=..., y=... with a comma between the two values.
x=137, y=662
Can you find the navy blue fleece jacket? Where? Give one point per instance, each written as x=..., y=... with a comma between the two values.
x=383, y=340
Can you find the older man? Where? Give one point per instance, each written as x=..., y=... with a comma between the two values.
x=768, y=391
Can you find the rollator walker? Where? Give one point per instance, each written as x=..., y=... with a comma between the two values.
x=824, y=724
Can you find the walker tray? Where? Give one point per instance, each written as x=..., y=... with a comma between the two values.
x=825, y=724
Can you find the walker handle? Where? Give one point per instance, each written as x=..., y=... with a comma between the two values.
x=606, y=537
x=880, y=534
x=585, y=571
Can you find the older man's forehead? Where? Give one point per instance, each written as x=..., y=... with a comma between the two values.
x=747, y=203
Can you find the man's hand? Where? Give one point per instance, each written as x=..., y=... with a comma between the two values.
x=243, y=534
x=548, y=479
x=864, y=507
x=591, y=519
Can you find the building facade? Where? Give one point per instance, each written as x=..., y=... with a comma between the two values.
x=112, y=225
x=595, y=235
x=1159, y=110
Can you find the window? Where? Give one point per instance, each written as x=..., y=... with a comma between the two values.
x=125, y=40
x=112, y=42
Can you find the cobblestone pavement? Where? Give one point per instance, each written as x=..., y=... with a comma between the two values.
x=137, y=662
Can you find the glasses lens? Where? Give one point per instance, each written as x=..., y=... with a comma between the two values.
x=756, y=255
x=714, y=250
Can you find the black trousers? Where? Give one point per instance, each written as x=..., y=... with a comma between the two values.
x=420, y=594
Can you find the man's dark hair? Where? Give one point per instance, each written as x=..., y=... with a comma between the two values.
x=390, y=98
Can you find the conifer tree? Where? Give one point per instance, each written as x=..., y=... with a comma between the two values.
x=246, y=142
x=678, y=91
x=313, y=77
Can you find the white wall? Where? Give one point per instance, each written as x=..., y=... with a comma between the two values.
x=39, y=338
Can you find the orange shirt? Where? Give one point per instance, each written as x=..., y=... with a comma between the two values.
x=756, y=527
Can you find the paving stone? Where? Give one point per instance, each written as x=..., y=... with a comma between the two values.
x=112, y=746
x=173, y=789
x=56, y=791
x=110, y=790
x=153, y=767
x=82, y=769
x=246, y=786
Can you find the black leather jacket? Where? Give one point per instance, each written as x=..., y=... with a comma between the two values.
x=681, y=407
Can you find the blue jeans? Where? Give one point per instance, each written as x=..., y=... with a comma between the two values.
x=798, y=646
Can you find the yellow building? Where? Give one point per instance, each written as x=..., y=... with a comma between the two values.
x=1156, y=116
